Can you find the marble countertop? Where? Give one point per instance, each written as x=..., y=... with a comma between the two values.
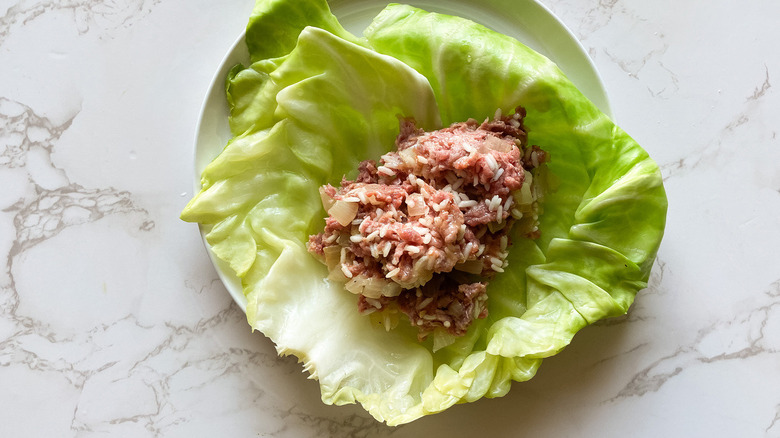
x=113, y=321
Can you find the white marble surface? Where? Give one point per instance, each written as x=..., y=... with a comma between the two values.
x=113, y=322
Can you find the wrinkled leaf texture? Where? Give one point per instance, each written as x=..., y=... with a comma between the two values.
x=316, y=101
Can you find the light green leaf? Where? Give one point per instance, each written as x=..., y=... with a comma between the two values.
x=317, y=100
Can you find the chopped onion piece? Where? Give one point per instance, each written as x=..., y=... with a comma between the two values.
x=327, y=201
x=372, y=287
x=416, y=205
x=391, y=289
x=470, y=266
x=332, y=256
x=337, y=275
x=496, y=144
x=528, y=177
x=408, y=156
x=526, y=197
x=344, y=212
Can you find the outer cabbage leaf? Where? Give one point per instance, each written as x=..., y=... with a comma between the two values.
x=326, y=105
x=274, y=26
x=312, y=106
x=602, y=224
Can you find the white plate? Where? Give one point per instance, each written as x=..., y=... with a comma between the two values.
x=526, y=20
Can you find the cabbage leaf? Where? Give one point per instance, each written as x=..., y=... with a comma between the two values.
x=317, y=100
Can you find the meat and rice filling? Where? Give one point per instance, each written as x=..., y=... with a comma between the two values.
x=422, y=232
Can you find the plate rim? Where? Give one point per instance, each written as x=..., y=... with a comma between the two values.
x=239, y=51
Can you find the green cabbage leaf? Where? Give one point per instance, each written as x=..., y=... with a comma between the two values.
x=317, y=100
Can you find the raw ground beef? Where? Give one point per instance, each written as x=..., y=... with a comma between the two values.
x=423, y=231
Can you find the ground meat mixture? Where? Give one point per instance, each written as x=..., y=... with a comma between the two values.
x=441, y=302
x=422, y=231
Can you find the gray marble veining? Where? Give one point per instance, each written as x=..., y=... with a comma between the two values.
x=112, y=320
